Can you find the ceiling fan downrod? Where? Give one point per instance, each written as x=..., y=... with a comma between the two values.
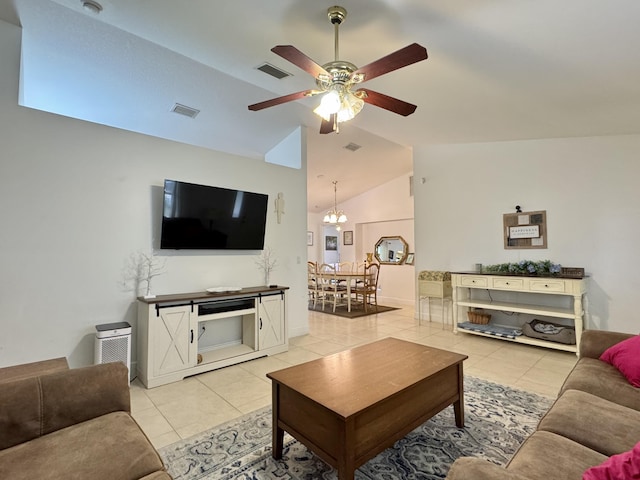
x=336, y=16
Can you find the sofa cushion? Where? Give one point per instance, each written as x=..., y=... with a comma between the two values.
x=34, y=369
x=593, y=343
x=157, y=476
x=577, y=415
x=624, y=465
x=35, y=406
x=625, y=356
x=602, y=380
x=474, y=468
x=545, y=455
x=108, y=447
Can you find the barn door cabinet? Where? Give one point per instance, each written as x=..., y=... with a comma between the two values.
x=186, y=334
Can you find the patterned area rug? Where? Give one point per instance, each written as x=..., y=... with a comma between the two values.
x=497, y=421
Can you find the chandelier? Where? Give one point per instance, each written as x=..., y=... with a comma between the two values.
x=335, y=216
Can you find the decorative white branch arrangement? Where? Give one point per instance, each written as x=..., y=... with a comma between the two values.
x=267, y=263
x=141, y=268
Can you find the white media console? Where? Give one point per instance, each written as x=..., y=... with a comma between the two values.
x=186, y=334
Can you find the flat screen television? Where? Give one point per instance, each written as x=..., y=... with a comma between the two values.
x=200, y=217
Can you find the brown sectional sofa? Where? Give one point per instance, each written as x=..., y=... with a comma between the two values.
x=60, y=423
x=596, y=415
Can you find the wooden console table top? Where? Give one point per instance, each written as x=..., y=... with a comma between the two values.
x=204, y=295
x=350, y=406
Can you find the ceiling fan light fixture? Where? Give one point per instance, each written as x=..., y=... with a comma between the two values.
x=336, y=79
x=351, y=106
x=329, y=104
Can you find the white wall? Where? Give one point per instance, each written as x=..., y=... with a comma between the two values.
x=588, y=186
x=79, y=198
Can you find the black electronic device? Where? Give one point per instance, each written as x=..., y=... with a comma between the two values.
x=200, y=217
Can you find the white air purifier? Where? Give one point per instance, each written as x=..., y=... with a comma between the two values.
x=113, y=344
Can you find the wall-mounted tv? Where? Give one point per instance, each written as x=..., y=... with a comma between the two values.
x=200, y=217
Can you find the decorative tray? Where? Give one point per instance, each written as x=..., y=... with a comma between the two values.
x=223, y=289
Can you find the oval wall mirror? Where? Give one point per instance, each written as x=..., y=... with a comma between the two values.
x=391, y=250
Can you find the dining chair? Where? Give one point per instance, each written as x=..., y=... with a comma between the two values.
x=345, y=267
x=312, y=282
x=368, y=287
x=331, y=289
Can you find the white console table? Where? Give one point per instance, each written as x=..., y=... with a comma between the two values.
x=190, y=333
x=464, y=283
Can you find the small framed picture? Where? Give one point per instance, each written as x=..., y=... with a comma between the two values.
x=409, y=260
x=331, y=242
x=309, y=239
x=347, y=237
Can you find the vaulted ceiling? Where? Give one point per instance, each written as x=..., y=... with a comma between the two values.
x=498, y=70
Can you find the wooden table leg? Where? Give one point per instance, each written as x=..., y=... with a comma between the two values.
x=346, y=457
x=458, y=409
x=278, y=433
x=458, y=406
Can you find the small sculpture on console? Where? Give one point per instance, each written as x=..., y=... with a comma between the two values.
x=141, y=268
x=267, y=263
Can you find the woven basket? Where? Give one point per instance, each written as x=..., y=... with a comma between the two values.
x=480, y=318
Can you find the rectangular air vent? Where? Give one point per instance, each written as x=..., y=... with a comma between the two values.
x=273, y=71
x=184, y=110
x=353, y=146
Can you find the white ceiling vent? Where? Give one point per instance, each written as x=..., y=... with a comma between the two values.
x=353, y=146
x=273, y=71
x=184, y=110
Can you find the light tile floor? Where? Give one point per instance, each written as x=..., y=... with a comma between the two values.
x=172, y=412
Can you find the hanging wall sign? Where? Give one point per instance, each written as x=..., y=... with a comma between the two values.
x=525, y=229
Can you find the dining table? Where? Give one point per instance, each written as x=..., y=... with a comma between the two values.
x=350, y=279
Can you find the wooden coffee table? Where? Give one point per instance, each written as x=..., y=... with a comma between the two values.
x=350, y=406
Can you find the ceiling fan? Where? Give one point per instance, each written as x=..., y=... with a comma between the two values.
x=337, y=79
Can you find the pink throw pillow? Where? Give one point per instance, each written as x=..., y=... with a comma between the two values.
x=625, y=356
x=624, y=466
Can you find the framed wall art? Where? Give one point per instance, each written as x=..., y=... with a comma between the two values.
x=525, y=229
x=347, y=237
x=330, y=242
x=309, y=239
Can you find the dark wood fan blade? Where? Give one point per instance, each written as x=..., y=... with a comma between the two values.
x=388, y=103
x=280, y=100
x=403, y=57
x=295, y=56
x=327, y=125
